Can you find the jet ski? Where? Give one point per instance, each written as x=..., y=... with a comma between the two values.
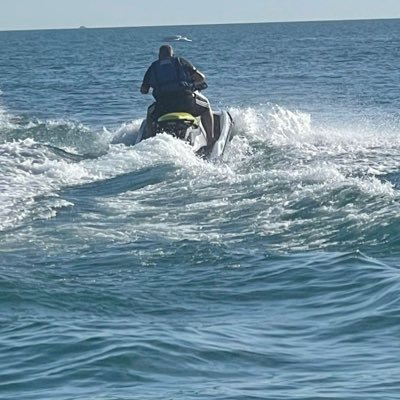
x=186, y=127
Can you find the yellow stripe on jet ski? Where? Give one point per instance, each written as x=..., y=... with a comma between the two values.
x=177, y=116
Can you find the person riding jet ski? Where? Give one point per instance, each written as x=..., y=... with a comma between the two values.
x=175, y=82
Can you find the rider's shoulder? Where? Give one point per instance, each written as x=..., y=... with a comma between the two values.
x=186, y=63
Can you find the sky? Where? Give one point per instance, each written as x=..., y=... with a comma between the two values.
x=47, y=14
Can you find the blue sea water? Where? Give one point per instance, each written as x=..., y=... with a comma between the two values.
x=144, y=272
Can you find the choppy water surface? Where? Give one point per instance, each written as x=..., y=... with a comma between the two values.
x=146, y=272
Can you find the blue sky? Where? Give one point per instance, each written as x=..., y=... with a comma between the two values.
x=44, y=14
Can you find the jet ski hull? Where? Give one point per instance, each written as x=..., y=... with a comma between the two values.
x=223, y=124
x=195, y=133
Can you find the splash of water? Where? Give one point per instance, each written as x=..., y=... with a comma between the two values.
x=304, y=184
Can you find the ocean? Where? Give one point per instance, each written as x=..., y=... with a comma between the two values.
x=146, y=272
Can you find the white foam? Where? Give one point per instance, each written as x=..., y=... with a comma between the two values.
x=30, y=170
x=273, y=124
x=272, y=148
x=318, y=157
x=126, y=133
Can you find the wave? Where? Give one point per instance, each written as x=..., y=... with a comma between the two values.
x=69, y=135
x=291, y=182
x=6, y=120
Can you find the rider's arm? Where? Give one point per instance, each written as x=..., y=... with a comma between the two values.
x=144, y=89
x=198, y=77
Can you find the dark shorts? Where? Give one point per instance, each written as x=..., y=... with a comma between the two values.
x=192, y=103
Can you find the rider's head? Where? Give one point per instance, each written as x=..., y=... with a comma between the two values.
x=165, y=51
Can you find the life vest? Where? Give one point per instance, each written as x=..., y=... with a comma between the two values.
x=168, y=75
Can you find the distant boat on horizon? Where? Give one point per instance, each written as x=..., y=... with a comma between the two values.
x=82, y=27
x=177, y=38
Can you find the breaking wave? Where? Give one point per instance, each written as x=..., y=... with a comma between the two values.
x=302, y=185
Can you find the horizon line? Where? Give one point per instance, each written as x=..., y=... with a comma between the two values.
x=83, y=27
